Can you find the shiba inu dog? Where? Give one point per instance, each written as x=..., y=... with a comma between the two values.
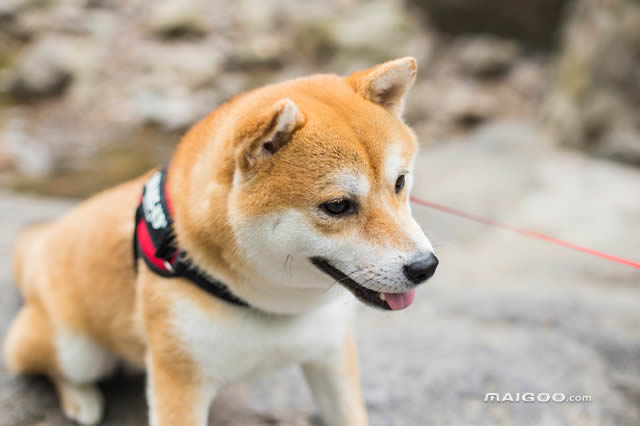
x=245, y=254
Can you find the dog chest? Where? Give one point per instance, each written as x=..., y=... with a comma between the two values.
x=249, y=342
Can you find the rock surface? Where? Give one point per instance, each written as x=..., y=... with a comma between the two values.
x=595, y=100
x=503, y=314
x=80, y=78
x=535, y=22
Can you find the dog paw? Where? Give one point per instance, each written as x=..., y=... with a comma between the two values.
x=82, y=404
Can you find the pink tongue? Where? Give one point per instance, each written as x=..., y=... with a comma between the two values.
x=399, y=301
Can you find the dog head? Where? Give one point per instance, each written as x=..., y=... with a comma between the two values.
x=323, y=171
x=291, y=188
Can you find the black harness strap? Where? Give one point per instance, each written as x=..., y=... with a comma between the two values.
x=154, y=241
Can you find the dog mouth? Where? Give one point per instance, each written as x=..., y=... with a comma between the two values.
x=381, y=300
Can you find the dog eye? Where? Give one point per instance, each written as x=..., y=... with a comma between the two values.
x=339, y=207
x=399, y=183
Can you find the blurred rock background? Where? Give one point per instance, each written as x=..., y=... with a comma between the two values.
x=95, y=91
x=528, y=112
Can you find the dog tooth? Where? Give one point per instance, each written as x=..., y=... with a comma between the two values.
x=381, y=296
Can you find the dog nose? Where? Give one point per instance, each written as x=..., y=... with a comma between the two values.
x=422, y=269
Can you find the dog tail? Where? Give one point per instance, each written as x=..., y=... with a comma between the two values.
x=22, y=250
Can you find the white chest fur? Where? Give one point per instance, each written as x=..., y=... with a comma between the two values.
x=245, y=342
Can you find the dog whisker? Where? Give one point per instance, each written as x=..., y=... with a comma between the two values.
x=284, y=267
x=338, y=281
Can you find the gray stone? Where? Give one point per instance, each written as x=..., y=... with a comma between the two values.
x=487, y=56
x=39, y=74
x=354, y=38
x=594, y=100
x=10, y=8
x=48, y=66
x=535, y=22
x=183, y=19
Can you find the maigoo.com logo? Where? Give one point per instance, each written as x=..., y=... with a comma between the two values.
x=544, y=397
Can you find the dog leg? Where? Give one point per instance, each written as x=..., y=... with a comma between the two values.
x=176, y=397
x=81, y=363
x=83, y=404
x=72, y=362
x=29, y=347
x=335, y=385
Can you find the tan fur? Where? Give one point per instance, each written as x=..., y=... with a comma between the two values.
x=77, y=274
x=23, y=245
x=28, y=345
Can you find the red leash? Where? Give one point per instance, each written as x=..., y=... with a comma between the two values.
x=525, y=232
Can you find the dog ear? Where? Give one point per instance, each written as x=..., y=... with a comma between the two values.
x=386, y=84
x=266, y=133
